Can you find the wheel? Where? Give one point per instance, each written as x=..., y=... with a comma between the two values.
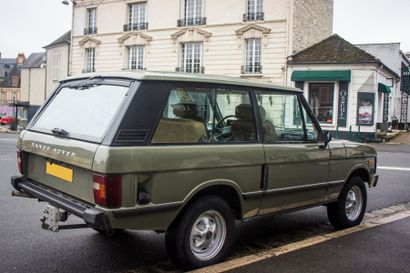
x=203, y=235
x=349, y=210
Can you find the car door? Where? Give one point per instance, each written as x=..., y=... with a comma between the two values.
x=297, y=163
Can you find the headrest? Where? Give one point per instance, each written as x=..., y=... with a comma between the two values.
x=244, y=112
x=185, y=110
x=262, y=112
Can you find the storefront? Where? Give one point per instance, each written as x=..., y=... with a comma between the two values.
x=350, y=91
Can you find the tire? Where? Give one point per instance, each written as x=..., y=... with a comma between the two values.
x=349, y=210
x=209, y=242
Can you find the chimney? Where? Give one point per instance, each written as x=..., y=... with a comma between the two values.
x=21, y=58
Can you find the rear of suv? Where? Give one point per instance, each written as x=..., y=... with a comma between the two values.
x=187, y=155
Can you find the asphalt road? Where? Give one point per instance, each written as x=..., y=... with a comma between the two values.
x=25, y=247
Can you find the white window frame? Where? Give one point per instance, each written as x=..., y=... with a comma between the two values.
x=190, y=52
x=90, y=59
x=254, y=6
x=253, y=55
x=193, y=9
x=137, y=13
x=335, y=104
x=56, y=65
x=92, y=18
x=135, y=57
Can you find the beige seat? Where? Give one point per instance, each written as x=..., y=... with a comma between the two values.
x=187, y=128
x=243, y=129
x=269, y=132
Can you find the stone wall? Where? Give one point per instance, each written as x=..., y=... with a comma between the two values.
x=312, y=22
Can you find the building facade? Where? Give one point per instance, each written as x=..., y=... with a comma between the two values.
x=351, y=92
x=392, y=56
x=33, y=85
x=10, y=78
x=247, y=38
x=58, y=57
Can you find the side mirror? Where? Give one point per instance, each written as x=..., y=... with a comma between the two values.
x=328, y=138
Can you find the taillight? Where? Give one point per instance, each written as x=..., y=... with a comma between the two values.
x=107, y=190
x=20, y=161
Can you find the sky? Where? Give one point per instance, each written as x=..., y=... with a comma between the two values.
x=27, y=25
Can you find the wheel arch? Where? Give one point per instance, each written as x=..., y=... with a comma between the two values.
x=226, y=190
x=361, y=171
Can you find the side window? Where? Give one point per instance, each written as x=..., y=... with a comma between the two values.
x=195, y=115
x=280, y=117
x=312, y=132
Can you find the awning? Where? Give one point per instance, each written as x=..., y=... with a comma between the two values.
x=332, y=75
x=384, y=88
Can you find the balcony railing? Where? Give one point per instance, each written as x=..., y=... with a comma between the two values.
x=199, y=69
x=253, y=16
x=90, y=30
x=137, y=26
x=191, y=22
x=88, y=70
x=251, y=69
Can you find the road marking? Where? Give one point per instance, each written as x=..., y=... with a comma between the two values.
x=372, y=219
x=393, y=168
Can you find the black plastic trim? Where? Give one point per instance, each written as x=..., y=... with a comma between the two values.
x=89, y=214
x=146, y=210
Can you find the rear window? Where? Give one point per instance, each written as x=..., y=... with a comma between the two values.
x=82, y=112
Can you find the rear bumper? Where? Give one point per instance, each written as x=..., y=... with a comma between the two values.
x=91, y=216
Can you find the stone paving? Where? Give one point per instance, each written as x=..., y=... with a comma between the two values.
x=402, y=138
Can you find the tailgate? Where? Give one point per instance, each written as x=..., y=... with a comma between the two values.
x=59, y=163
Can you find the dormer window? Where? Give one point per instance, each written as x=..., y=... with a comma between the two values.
x=193, y=14
x=254, y=11
x=91, y=22
x=136, y=17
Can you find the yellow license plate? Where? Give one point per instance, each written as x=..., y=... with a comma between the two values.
x=59, y=171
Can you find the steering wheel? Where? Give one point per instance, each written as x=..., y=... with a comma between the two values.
x=218, y=134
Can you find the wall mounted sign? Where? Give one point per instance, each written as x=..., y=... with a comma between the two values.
x=365, y=109
x=342, y=109
x=385, y=107
x=405, y=79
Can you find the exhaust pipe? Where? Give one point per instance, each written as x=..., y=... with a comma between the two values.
x=21, y=194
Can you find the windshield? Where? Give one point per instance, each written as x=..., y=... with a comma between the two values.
x=81, y=111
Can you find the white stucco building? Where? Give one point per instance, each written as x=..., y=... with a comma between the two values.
x=351, y=92
x=248, y=38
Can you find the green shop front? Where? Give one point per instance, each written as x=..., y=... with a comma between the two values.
x=351, y=92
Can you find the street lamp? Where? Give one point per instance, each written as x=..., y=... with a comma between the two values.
x=67, y=2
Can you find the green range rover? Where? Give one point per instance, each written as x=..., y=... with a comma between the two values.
x=187, y=155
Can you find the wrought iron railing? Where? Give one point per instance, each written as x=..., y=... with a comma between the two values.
x=251, y=69
x=196, y=69
x=137, y=26
x=253, y=16
x=191, y=22
x=90, y=30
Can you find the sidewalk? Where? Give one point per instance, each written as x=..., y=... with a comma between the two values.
x=385, y=248
x=402, y=138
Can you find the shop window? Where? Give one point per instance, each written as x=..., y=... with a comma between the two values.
x=321, y=99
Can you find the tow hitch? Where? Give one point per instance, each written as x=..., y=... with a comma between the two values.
x=52, y=216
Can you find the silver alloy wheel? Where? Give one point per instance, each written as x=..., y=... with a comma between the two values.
x=354, y=203
x=208, y=235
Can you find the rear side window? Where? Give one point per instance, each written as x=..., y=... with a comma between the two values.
x=201, y=115
x=83, y=112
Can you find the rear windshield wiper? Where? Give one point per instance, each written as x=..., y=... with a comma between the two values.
x=60, y=132
x=82, y=86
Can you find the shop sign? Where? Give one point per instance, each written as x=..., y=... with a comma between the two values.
x=405, y=79
x=365, y=109
x=342, y=109
x=385, y=107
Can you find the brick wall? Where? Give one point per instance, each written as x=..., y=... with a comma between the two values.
x=312, y=22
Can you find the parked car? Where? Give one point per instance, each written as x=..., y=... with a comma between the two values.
x=187, y=155
x=5, y=120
